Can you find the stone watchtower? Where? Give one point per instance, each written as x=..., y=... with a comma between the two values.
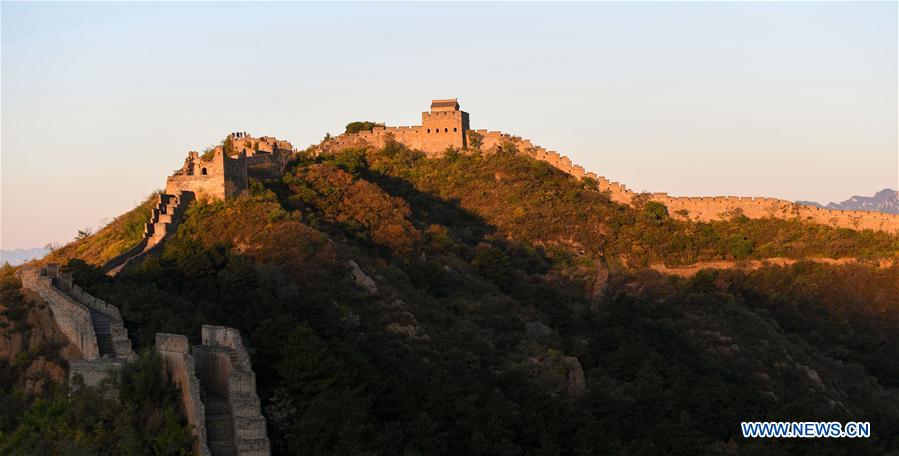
x=443, y=127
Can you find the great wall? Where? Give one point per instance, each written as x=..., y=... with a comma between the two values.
x=92, y=325
x=216, y=379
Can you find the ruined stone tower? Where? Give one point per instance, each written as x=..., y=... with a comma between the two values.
x=444, y=126
x=220, y=174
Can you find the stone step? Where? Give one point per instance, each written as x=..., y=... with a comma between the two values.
x=250, y=428
x=104, y=345
x=221, y=448
x=216, y=405
x=246, y=405
x=219, y=427
x=121, y=345
x=255, y=447
x=102, y=328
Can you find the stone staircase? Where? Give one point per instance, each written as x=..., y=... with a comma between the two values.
x=104, y=334
x=219, y=425
x=163, y=221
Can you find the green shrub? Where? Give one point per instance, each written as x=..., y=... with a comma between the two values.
x=356, y=127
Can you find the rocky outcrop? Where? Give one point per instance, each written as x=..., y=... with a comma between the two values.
x=600, y=284
x=362, y=279
x=577, y=384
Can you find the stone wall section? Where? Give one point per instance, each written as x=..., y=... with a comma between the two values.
x=179, y=368
x=77, y=313
x=93, y=372
x=226, y=368
x=120, y=341
x=72, y=317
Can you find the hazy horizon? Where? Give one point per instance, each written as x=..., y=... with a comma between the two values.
x=100, y=102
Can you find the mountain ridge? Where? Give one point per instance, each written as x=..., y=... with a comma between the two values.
x=885, y=201
x=16, y=257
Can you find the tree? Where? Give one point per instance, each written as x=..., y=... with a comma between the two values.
x=356, y=127
x=475, y=140
x=655, y=210
x=84, y=233
x=228, y=146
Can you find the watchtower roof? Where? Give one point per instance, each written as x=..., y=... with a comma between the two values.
x=451, y=104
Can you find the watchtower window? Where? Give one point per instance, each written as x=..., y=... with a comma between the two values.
x=454, y=128
x=429, y=130
x=203, y=171
x=445, y=130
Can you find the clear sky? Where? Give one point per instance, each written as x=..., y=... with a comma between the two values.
x=100, y=102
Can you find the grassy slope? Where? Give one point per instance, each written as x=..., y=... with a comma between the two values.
x=118, y=236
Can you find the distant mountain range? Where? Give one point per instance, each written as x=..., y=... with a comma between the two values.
x=16, y=257
x=886, y=200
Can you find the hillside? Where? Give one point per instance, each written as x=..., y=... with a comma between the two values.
x=492, y=304
x=116, y=237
